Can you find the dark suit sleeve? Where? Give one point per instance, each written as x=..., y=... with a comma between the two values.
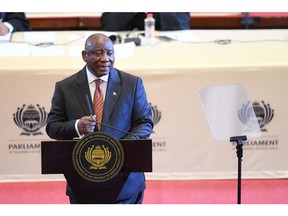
x=117, y=21
x=142, y=122
x=174, y=21
x=18, y=21
x=58, y=125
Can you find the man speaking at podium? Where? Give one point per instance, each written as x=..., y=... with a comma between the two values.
x=118, y=96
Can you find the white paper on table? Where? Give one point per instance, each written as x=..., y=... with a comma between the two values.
x=47, y=50
x=39, y=37
x=181, y=36
x=14, y=49
x=125, y=50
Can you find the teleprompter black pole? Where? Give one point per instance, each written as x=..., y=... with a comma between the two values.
x=239, y=151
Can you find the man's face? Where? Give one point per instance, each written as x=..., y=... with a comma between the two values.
x=99, y=55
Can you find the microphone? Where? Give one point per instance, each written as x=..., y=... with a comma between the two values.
x=88, y=105
x=108, y=126
x=115, y=39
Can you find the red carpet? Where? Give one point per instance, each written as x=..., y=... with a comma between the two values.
x=161, y=192
x=217, y=192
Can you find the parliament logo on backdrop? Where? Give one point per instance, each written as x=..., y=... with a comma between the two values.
x=263, y=112
x=30, y=119
x=156, y=115
x=159, y=142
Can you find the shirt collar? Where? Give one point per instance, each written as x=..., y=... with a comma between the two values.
x=91, y=77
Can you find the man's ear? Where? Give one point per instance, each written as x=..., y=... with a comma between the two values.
x=84, y=55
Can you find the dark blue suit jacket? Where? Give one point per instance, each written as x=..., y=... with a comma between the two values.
x=17, y=20
x=125, y=21
x=126, y=107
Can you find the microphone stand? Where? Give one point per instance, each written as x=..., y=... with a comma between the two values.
x=117, y=129
x=89, y=107
x=239, y=151
x=134, y=39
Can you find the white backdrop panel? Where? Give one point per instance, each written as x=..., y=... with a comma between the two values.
x=183, y=146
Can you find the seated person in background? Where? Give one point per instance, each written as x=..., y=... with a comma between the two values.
x=130, y=21
x=13, y=22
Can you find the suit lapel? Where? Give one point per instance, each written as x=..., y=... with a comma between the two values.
x=81, y=90
x=113, y=91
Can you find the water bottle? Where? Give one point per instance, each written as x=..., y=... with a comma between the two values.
x=149, y=23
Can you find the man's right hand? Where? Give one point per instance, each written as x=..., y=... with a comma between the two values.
x=87, y=124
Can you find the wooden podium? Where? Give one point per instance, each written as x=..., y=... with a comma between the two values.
x=57, y=159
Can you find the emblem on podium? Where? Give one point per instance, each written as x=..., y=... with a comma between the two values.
x=98, y=157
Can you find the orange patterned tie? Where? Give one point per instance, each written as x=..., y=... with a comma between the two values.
x=98, y=102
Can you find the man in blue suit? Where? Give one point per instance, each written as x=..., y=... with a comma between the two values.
x=125, y=107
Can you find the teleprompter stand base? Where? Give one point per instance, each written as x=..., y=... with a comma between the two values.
x=239, y=151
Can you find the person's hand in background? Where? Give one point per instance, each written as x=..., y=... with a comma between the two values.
x=3, y=29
